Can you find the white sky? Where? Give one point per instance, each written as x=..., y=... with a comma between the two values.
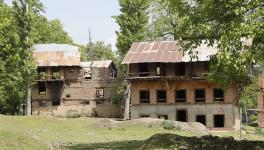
x=77, y=16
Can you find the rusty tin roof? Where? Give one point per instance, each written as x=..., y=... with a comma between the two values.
x=56, y=55
x=165, y=52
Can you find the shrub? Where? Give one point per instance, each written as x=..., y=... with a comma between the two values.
x=253, y=118
x=168, y=125
x=72, y=114
x=259, y=131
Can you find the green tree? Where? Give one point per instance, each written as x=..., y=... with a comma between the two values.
x=165, y=22
x=133, y=22
x=44, y=31
x=226, y=23
x=21, y=26
x=249, y=96
x=97, y=51
x=17, y=67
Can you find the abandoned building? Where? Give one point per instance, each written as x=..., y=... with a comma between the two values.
x=63, y=83
x=166, y=84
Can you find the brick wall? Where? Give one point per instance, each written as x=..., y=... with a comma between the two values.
x=172, y=86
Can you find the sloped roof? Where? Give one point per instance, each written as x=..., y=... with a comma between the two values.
x=56, y=55
x=164, y=51
x=97, y=64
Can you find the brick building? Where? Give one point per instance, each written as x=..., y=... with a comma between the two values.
x=167, y=84
x=63, y=83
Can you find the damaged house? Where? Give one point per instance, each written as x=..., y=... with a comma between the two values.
x=166, y=84
x=63, y=83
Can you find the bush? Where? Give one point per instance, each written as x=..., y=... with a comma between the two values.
x=253, y=118
x=259, y=131
x=72, y=114
x=168, y=125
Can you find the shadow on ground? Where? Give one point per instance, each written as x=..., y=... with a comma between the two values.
x=174, y=141
x=208, y=142
x=120, y=145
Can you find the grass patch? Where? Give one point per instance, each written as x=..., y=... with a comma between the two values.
x=15, y=141
x=20, y=132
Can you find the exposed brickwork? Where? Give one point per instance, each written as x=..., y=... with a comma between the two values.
x=77, y=93
x=196, y=69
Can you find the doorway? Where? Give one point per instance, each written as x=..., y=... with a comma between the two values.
x=219, y=121
x=181, y=115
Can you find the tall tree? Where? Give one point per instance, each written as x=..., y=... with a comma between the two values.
x=165, y=22
x=17, y=67
x=21, y=26
x=230, y=25
x=133, y=22
x=45, y=31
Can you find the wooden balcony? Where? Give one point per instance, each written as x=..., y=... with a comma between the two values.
x=155, y=76
x=49, y=77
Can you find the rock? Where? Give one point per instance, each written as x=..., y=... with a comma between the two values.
x=182, y=147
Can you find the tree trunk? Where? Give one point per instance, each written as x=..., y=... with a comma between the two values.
x=28, y=101
x=127, y=103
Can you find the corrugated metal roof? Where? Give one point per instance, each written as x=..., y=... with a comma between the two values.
x=164, y=51
x=97, y=64
x=56, y=55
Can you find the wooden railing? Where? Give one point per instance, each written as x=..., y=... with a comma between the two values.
x=154, y=75
x=49, y=77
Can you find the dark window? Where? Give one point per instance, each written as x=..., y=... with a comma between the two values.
x=56, y=103
x=180, y=95
x=144, y=116
x=161, y=69
x=143, y=69
x=42, y=88
x=41, y=70
x=87, y=73
x=201, y=119
x=86, y=102
x=41, y=74
x=218, y=95
x=144, y=96
x=68, y=95
x=113, y=72
x=43, y=104
x=55, y=73
x=165, y=117
x=181, y=115
x=219, y=121
x=206, y=66
x=180, y=69
x=100, y=93
x=161, y=96
x=199, y=95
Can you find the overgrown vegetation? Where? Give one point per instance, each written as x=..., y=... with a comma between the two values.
x=168, y=125
x=72, y=114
